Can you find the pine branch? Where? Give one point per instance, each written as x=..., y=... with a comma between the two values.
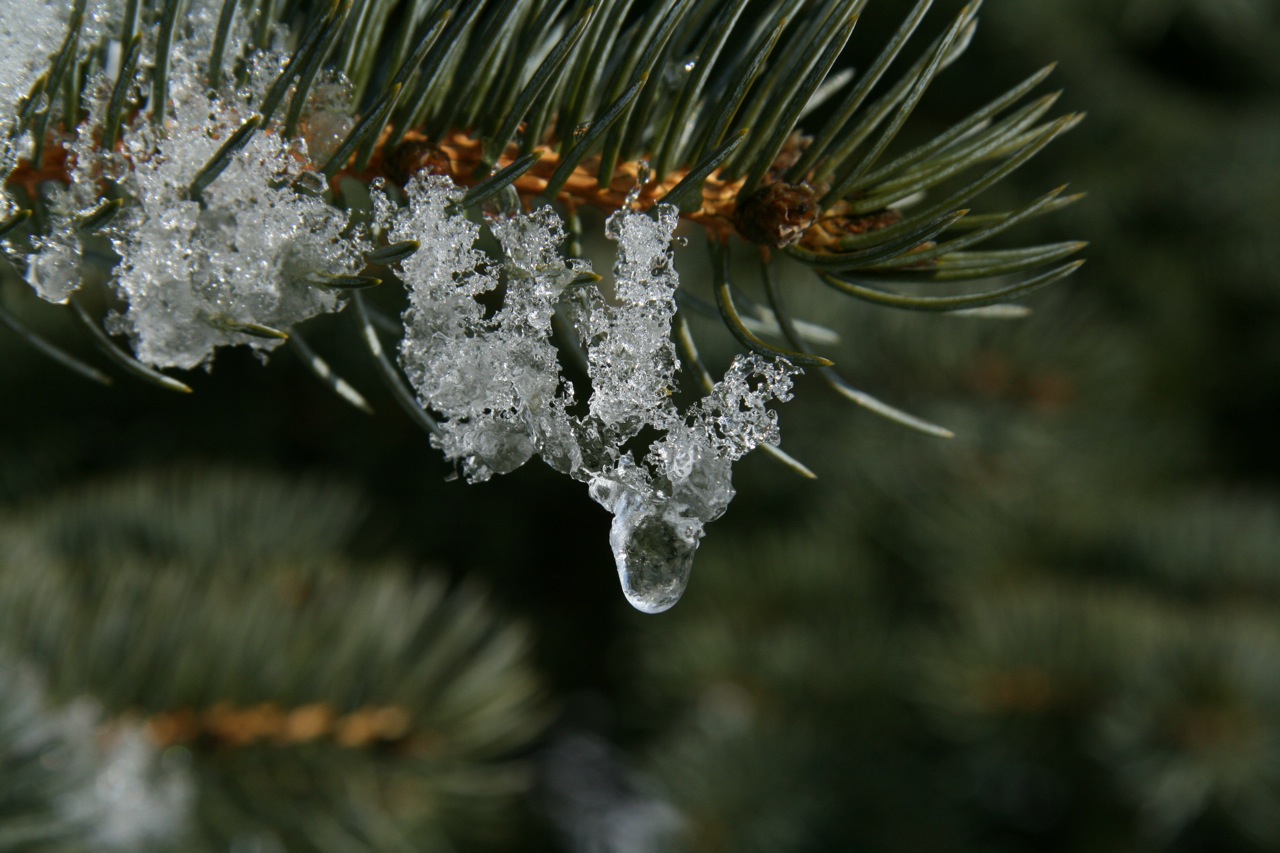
x=291, y=679
x=212, y=143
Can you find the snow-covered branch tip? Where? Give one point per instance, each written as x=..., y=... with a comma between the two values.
x=201, y=154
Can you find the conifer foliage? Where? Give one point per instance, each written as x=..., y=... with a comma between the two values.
x=194, y=661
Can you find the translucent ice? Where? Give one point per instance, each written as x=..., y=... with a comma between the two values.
x=54, y=270
x=654, y=553
x=734, y=416
x=660, y=508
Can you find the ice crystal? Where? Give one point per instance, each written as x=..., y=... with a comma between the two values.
x=660, y=510
x=54, y=269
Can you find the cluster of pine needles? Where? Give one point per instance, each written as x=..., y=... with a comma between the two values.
x=709, y=106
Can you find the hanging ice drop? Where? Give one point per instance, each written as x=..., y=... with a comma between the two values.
x=654, y=553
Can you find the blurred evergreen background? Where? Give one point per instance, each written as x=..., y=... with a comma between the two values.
x=1058, y=631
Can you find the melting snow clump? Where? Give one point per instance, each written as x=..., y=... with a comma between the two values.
x=495, y=379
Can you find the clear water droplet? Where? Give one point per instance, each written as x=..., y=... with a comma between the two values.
x=644, y=174
x=504, y=205
x=654, y=556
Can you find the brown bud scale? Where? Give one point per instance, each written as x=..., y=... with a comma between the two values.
x=777, y=214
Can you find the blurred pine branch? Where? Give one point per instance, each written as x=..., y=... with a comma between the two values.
x=279, y=690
